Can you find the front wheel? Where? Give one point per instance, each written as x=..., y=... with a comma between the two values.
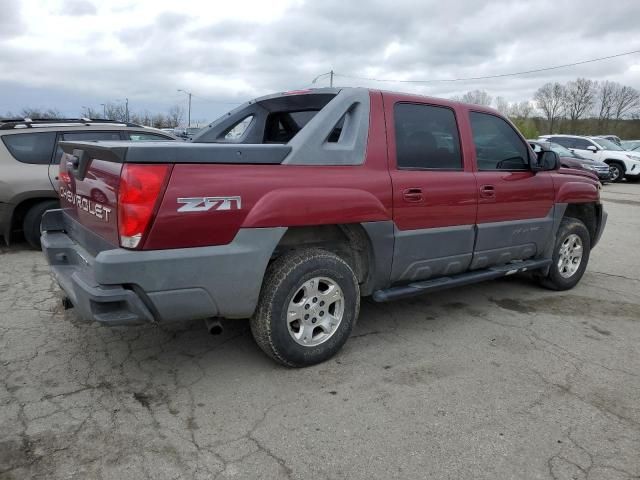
x=616, y=172
x=570, y=255
x=308, y=305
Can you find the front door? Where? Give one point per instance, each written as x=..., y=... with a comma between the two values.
x=515, y=204
x=434, y=193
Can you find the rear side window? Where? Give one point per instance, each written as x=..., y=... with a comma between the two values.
x=31, y=147
x=84, y=137
x=89, y=136
x=564, y=141
x=283, y=126
x=145, y=137
x=237, y=131
x=426, y=137
x=498, y=146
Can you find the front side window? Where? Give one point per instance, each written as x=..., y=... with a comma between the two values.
x=607, y=144
x=426, y=137
x=498, y=146
x=31, y=147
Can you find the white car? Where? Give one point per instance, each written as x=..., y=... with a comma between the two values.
x=622, y=163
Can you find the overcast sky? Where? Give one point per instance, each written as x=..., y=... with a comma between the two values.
x=67, y=54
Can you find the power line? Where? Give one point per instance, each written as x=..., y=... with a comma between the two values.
x=544, y=69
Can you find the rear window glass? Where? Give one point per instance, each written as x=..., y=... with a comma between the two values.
x=31, y=147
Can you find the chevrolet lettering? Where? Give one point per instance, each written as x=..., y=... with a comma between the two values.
x=83, y=203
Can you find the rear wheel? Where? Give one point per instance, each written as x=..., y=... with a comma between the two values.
x=33, y=219
x=570, y=255
x=617, y=172
x=308, y=305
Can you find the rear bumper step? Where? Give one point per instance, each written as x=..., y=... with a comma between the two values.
x=418, y=288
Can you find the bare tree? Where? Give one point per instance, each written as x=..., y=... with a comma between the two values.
x=503, y=106
x=606, y=92
x=521, y=110
x=578, y=99
x=90, y=112
x=478, y=97
x=175, y=116
x=625, y=100
x=549, y=99
x=40, y=113
x=116, y=111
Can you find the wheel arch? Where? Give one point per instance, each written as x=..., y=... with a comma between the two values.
x=21, y=205
x=588, y=213
x=366, y=247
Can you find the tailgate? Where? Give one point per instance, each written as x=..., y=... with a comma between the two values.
x=89, y=191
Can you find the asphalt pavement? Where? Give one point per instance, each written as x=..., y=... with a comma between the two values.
x=501, y=380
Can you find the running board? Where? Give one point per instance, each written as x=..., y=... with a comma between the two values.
x=441, y=283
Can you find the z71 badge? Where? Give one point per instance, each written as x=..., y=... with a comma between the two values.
x=202, y=204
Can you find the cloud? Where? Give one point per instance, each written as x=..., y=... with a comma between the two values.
x=78, y=8
x=11, y=23
x=146, y=50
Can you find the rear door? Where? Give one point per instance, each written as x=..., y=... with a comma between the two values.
x=515, y=205
x=434, y=192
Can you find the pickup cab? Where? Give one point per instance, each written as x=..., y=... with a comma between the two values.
x=290, y=208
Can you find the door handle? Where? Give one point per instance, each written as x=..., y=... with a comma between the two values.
x=488, y=191
x=413, y=195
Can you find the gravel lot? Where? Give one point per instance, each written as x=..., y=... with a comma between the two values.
x=500, y=380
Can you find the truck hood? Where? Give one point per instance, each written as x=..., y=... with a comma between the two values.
x=578, y=172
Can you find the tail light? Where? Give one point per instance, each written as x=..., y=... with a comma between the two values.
x=138, y=197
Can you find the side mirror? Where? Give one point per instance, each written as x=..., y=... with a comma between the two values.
x=546, y=160
x=592, y=148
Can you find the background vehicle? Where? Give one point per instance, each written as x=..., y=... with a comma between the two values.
x=293, y=206
x=622, y=164
x=612, y=138
x=571, y=159
x=29, y=148
x=630, y=144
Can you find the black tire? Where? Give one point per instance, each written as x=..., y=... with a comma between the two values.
x=284, y=279
x=555, y=280
x=617, y=172
x=33, y=219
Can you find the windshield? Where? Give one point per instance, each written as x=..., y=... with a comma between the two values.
x=606, y=144
x=563, y=151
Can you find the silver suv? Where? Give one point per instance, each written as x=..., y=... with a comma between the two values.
x=29, y=157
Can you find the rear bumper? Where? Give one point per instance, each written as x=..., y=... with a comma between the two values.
x=124, y=287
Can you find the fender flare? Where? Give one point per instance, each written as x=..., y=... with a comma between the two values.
x=293, y=207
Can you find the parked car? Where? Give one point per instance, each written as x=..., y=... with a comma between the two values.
x=630, y=144
x=29, y=148
x=622, y=164
x=612, y=138
x=571, y=159
x=291, y=207
x=186, y=134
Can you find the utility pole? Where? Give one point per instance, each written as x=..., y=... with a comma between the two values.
x=104, y=111
x=126, y=109
x=331, y=78
x=189, y=110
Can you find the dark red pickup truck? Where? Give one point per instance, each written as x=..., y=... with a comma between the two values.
x=291, y=207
